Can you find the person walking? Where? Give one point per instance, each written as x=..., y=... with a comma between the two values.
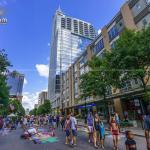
x=115, y=132
x=67, y=129
x=54, y=121
x=1, y=124
x=62, y=121
x=102, y=133
x=147, y=127
x=73, y=129
x=117, y=118
x=90, y=125
x=96, y=134
x=57, y=120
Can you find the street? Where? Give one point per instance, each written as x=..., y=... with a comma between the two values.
x=12, y=141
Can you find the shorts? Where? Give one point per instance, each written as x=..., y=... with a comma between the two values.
x=67, y=133
x=90, y=128
x=74, y=132
x=115, y=132
x=102, y=136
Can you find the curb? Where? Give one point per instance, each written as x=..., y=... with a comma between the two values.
x=123, y=132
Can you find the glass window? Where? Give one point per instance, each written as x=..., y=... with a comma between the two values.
x=113, y=33
x=99, y=46
x=138, y=6
x=144, y=22
x=81, y=70
x=76, y=88
x=147, y=1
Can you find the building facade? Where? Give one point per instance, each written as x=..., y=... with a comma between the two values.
x=42, y=98
x=70, y=37
x=134, y=14
x=15, y=82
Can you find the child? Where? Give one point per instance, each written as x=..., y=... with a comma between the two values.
x=130, y=142
x=102, y=133
x=115, y=132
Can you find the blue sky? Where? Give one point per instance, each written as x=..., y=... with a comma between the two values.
x=26, y=36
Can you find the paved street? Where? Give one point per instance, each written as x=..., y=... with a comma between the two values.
x=13, y=142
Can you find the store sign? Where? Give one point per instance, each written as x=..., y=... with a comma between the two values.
x=87, y=106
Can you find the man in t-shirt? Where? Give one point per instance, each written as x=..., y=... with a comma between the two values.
x=147, y=127
x=73, y=128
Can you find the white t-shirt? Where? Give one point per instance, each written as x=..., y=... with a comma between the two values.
x=25, y=121
x=73, y=123
x=32, y=131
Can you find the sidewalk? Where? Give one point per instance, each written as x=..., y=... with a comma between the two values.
x=136, y=131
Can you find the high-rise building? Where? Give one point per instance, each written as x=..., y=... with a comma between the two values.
x=69, y=39
x=15, y=82
x=42, y=98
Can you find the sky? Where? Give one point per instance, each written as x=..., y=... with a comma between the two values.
x=26, y=36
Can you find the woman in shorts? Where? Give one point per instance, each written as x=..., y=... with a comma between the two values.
x=90, y=124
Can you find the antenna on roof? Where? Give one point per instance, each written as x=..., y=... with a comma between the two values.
x=59, y=9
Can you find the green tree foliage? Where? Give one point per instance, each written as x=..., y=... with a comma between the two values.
x=4, y=91
x=130, y=59
x=18, y=107
x=98, y=81
x=131, y=56
x=45, y=108
x=33, y=112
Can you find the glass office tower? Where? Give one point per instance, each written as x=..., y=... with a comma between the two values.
x=15, y=82
x=70, y=37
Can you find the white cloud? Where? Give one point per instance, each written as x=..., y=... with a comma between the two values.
x=99, y=31
x=25, y=81
x=29, y=99
x=43, y=70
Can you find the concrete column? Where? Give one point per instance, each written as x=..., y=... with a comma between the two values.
x=106, y=38
x=118, y=107
x=128, y=17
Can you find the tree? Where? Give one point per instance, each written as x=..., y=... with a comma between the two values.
x=131, y=57
x=33, y=112
x=4, y=90
x=97, y=81
x=44, y=108
x=18, y=108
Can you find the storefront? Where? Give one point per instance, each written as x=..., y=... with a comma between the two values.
x=134, y=108
x=105, y=107
x=84, y=109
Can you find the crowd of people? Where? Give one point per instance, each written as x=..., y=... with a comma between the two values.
x=68, y=123
x=95, y=125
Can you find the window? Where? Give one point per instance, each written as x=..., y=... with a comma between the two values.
x=144, y=22
x=113, y=45
x=63, y=22
x=147, y=1
x=99, y=46
x=81, y=70
x=76, y=88
x=138, y=6
x=69, y=23
x=113, y=33
x=83, y=61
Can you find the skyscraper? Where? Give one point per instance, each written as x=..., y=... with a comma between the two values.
x=69, y=39
x=15, y=82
